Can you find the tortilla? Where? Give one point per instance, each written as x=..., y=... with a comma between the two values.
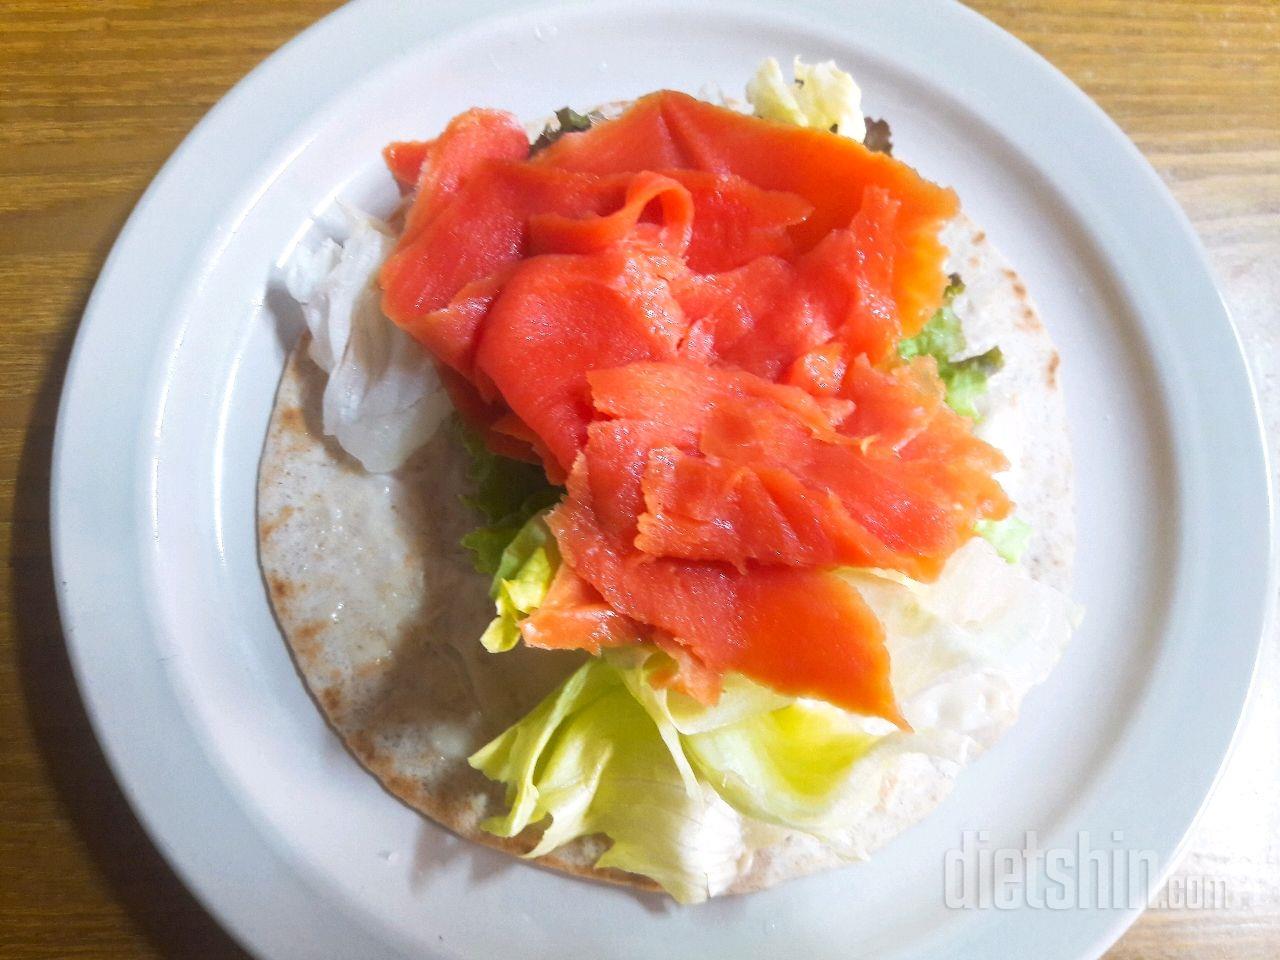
x=383, y=610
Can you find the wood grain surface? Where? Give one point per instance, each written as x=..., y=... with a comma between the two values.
x=95, y=94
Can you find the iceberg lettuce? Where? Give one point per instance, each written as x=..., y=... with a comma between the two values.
x=965, y=649
x=943, y=339
x=821, y=95
x=591, y=759
x=677, y=716
x=523, y=575
x=784, y=766
x=1009, y=536
x=507, y=493
x=515, y=546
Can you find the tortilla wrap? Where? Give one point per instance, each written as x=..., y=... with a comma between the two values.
x=383, y=610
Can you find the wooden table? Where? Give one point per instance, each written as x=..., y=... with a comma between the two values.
x=95, y=94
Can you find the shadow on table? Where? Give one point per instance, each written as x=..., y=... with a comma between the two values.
x=153, y=896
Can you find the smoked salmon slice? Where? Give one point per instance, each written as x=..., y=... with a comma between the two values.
x=560, y=317
x=740, y=470
x=692, y=316
x=802, y=632
x=404, y=159
x=766, y=315
x=669, y=130
x=573, y=616
x=484, y=418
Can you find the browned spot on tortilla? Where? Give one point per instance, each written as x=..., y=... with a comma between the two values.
x=370, y=669
x=974, y=264
x=292, y=420
x=270, y=526
x=331, y=699
x=281, y=589
x=305, y=635
x=401, y=785
x=362, y=747
x=979, y=236
x=1019, y=290
x=309, y=630
x=1051, y=371
x=1027, y=319
x=1009, y=274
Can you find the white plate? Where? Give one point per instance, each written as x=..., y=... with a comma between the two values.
x=226, y=759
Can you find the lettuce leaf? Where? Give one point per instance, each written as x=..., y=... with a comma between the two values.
x=591, y=759
x=521, y=579
x=943, y=339
x=784, y=766
x=503, y=487
x=967, y=647
x=878, y=138
x=966, y=381
x=508, y=493
x=567, y=120
x=515, y=547
x=676, y=715
x=821, y=95
x=1009, y=536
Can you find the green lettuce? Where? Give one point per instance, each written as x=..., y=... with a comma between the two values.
x=821, y=96
x=514, y=546
x=786, y=766
x=1009, y=536
x=678, y=716
x=943, y=339
x=507, y=493
x=567, y=120
x=524, y=573
x=966, y=381
x=667, y=779
x=592, y=760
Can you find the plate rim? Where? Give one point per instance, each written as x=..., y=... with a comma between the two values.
x=80, y=631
